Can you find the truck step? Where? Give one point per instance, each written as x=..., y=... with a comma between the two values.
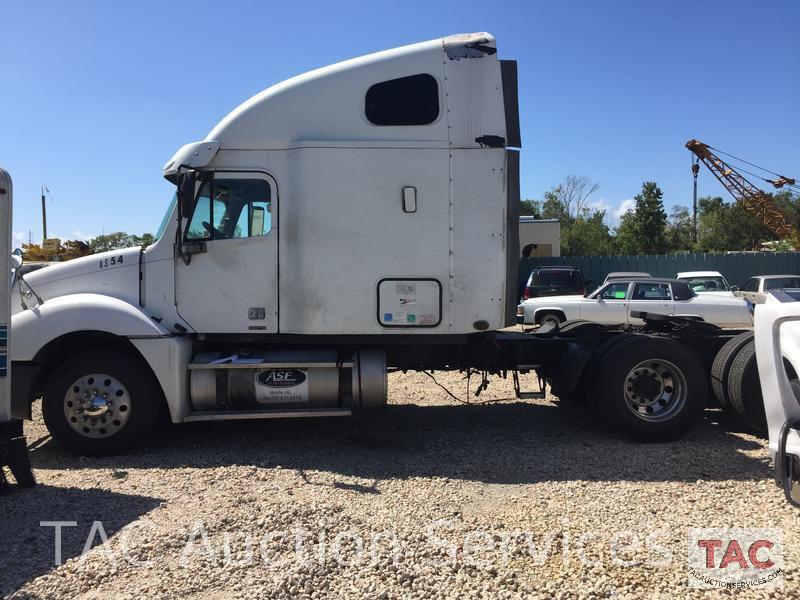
x=272, y=365
x=280, y=413
x=531, y=395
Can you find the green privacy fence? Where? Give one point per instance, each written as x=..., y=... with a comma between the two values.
x=737, y=267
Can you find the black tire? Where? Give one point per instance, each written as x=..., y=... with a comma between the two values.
x=140, y=399
x=721, y=367
x=744, y=389
x=584, y=390
x=683, y=385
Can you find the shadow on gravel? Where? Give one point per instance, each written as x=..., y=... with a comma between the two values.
x=27, y=549
x=509, y=443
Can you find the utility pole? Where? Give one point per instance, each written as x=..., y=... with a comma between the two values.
x=695, y=170
x=44, y=216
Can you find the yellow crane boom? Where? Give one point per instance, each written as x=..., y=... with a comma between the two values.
x=754, y=199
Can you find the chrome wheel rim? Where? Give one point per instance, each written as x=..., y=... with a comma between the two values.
x=655, y=390
x=550, y=320
x=97, y=405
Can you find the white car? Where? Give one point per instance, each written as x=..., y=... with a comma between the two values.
x=614, y=302
x=757, y=288
x=707, y=282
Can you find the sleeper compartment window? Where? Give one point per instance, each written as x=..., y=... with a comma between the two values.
x=412, y=100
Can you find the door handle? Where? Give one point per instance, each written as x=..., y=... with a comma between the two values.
x=409, y=199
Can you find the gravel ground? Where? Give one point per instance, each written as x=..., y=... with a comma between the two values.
x=429, y=499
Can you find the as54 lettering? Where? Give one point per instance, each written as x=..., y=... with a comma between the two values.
x=110, y=262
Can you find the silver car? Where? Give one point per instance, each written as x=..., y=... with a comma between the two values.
x=617, y=301
x=756, y=288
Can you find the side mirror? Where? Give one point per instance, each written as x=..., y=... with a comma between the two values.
x=257, y=221
x=186, y=185
x=735, y=289
x=16, y=261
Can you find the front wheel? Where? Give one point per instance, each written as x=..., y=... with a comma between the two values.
x=652, y=389
x=100, y=403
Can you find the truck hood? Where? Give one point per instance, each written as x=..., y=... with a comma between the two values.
x=114, y=273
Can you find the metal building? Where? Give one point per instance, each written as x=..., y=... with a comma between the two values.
x=545, y=234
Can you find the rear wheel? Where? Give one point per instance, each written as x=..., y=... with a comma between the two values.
x=721, y=367
x=549, y=318
x=651, y=389
x=744, y=389
x=585, y=389
x=101, y=402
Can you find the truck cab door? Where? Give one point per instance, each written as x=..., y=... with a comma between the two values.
x=226, y=280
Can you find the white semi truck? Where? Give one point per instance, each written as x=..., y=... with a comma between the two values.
x=352, y=220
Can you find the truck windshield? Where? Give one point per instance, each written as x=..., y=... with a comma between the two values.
x=166, y=217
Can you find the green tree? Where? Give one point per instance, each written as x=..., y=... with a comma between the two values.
x=554, y=208
x=679, y=229
x=119, y=239
x=110, y=241
x=530, y=208
x=589, y=235
x=143, y=240
x=626, y=239
x=728, y=226
x=651, y=219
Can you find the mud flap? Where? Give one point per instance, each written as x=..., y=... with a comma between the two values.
x=14, y=455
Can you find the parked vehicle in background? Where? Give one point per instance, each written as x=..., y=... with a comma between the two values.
x=707, y=282
x=615, y=302
x=554, y=281
x=620, y=275
x=756, y=288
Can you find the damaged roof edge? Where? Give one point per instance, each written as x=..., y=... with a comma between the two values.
x=469, y=45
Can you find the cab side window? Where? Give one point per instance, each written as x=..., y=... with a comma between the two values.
x=750, y=286
x=240, y=208
x=615, y=291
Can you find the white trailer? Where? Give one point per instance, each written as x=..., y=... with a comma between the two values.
x=354, y=219
x=13, y=451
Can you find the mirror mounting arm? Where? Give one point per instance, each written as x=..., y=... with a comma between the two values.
x=21, y=279
x=187, y=177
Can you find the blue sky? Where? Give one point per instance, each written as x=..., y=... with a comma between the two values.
x=96, y=95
